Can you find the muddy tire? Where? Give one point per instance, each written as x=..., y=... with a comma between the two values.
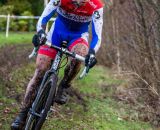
x=43, y=104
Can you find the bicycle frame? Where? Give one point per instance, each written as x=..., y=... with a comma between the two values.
x=54, y=67
x=53, y=74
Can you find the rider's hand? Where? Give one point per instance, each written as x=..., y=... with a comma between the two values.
x=39, y=38
x=90, y=59
x=42, y=37
x=35, y=40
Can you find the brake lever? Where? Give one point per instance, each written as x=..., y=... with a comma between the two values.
x=84, y=72
x=86, y=69
x=34, y=53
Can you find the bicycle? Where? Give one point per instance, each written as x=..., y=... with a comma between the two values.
x=46, y=94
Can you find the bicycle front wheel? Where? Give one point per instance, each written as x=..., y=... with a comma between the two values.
x=42, y=104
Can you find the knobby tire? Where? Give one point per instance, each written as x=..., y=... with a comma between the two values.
x=43, y=103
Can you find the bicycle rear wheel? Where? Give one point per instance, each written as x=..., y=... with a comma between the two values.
x=42, y=104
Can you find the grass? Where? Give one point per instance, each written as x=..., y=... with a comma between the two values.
x=8, y=105
x=8, y=108
x=16, y=38
x=102, y=113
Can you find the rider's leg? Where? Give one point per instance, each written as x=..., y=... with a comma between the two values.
x=45, y=55
x=43, y=63
x=80, y=47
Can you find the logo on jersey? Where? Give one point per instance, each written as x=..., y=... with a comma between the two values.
x=74, y=17
x=92, y=4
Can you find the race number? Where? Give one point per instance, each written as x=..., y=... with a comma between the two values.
x=56, y=2
x=97, y=15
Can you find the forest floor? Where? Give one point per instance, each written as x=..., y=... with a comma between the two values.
x=93, y=103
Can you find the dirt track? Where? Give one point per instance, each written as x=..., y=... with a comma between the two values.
x=15, y=56
x=11, y=58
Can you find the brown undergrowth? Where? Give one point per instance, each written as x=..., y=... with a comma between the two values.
x=139, y=99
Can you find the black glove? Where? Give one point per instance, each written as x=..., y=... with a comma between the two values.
x=39, y=38
x=35, y=40
x=42, y=37
x=90, y=59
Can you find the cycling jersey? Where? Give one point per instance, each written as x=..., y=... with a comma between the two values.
x=72, y=21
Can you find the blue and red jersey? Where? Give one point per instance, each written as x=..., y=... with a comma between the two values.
x=73, y=20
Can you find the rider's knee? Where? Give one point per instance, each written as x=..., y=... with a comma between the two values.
x=80, y=49
x=43, y=63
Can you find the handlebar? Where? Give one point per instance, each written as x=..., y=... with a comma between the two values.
x=65, y=51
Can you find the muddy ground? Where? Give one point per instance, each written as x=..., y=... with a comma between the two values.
x=11, y=58
x=15, y=56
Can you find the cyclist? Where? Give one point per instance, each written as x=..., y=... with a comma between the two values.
x=71, y=25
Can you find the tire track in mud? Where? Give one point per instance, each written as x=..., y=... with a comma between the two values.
x=16, y=56
x=11, y=58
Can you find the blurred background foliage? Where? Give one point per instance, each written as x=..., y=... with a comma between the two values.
x=21, y=8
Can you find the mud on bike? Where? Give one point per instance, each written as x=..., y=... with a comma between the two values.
x=46, y=94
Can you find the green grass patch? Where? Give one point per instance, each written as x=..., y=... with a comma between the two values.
x=8, y=109
x=20, y=77
x=97, y=78
x=16, y=38
x=102, y=112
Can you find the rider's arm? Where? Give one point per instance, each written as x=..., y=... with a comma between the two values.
x=97, y=23
x=48, y=12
